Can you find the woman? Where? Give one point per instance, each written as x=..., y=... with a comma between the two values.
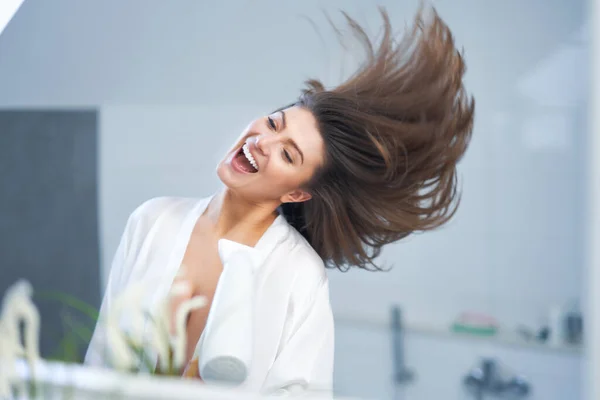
x=326, y=181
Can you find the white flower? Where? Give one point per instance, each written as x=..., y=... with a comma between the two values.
x=159, y=336
x=159, y=328
x=8, y=361
x=16, y=307
x=164, y=337
x=161, y=340
x=179, y=340
x=122, y=355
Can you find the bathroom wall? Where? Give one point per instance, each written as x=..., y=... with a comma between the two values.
x=172, y=97
x=592, y=276
x=440, y=363
x=449, y=272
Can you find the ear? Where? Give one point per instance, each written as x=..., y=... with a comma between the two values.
x=297, y=196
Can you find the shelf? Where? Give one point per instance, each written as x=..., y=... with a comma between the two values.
x=504, y=339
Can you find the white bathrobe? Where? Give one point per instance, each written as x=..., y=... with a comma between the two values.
x=293, y=324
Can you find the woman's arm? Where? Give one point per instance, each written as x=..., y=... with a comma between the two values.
x=138, y=222
x=96, y=354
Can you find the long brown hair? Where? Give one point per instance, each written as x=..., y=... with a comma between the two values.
x=394, y=133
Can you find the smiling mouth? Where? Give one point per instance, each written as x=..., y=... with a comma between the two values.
x=244, y=160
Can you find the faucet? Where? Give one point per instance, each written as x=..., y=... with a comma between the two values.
x=485, y=379
x=402, y=375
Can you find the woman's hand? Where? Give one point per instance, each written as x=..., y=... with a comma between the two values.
x=192, y=370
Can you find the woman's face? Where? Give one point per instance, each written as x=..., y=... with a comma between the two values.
x=275, y=157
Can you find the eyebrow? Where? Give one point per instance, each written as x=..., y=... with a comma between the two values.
x=290, y=141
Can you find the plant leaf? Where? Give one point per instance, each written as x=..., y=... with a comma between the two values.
x=70, y=301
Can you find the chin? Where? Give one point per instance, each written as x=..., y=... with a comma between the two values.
x=229, y=178
x=224, y=174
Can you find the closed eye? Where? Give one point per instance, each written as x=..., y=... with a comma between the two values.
x=271, y=123
x=287, y=156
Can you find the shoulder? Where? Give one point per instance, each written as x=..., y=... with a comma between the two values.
x=153, y=208
x=307, y=268
x=304, y=260
x=154, y=221
x=157, y=209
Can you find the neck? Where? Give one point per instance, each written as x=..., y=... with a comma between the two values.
x=230, y=212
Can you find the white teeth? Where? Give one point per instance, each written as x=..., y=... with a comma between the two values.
x=249, y=156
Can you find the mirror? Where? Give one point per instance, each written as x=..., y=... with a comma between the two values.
x=107, y=104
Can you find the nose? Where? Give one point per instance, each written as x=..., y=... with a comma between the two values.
x=264, y=143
